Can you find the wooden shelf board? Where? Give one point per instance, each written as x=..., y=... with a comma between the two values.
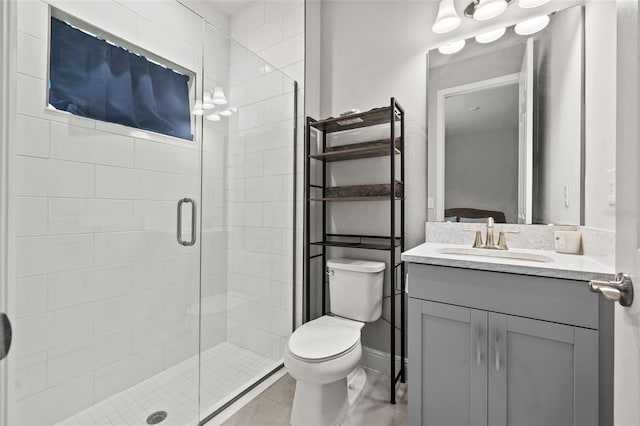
x=371, y=149
x=362, y=119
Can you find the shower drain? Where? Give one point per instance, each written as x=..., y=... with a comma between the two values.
x=156, y=417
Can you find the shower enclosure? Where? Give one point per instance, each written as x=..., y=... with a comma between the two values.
x=149, y=278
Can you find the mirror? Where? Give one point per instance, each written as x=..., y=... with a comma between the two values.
x=506, y=127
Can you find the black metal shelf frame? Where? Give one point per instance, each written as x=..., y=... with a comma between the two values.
x=390, y=243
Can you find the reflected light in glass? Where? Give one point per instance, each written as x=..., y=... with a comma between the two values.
x=532, y=26
x=225, y=113
x=213, y=117
x=218, y=96
x=490, y=36
x=198, y=109
x=528, y=4
x=451, y=48
x=207, y=100
x=447, y=19
x=488, y=9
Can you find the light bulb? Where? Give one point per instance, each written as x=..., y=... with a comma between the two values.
x=488, y=9
x=218, y=96
x=447, y=19
x=207, y=100
x=213, y=117
x=532, y=26
x=451, y=48
x=225, y=113
x=490, y=36
x=198, y=109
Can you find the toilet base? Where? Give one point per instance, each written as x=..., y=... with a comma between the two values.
x=327, y=405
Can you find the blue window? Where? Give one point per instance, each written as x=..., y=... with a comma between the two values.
x=92, y=78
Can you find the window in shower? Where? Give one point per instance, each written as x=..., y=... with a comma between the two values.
x=94, y=78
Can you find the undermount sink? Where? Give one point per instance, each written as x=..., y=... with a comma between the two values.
x=503, y=254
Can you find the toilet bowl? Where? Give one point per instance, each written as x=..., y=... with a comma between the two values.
x=324, y=357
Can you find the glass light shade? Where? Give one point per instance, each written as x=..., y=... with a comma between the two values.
x=447, y=19
x=488, y=9
x=213, y=117
x=207, y=100
x=218, y=96
x=490, y=36
x=198, y=109
x=225, y=113
x=532, y=26
x=528, y=4
x=451, y=48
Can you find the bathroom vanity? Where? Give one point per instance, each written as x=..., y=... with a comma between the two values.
x=507, y=340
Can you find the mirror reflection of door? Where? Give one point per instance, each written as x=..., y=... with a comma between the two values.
x=482, y=151
x=525, y=137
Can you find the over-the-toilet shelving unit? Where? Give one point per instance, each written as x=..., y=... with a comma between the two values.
x=393, y=147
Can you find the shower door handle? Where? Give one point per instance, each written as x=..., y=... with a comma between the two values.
x=192, y=241
x=5, y=335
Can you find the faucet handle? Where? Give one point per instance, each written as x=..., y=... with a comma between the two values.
x=490, y=221
x=478, y=241
x=502, y=240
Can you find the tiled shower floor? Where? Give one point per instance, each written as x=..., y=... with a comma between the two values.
x=226, y=370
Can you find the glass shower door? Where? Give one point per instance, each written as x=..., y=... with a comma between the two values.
x=104, y=282
x=248, y=220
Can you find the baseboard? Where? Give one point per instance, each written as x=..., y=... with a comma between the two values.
x=378, y=360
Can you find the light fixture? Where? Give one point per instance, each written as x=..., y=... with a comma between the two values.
x=213, y=117
x=487, y=9
x=198, y=109
x=447, y=19
x=481, y=10
x=207, y=100
x=531, y=26
x=218, y=96
x=490, y=36
x=451, y=48
x=225, y=113
x=528, y=4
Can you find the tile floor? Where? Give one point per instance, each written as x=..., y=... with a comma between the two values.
x=227, y=369
x=273, y=406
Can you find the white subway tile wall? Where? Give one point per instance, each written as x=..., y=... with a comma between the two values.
x=104, y=296
x=259, y=183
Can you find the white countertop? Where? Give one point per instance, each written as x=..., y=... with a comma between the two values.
x=566, y=266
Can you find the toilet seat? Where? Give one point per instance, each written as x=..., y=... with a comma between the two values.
x=324, y=339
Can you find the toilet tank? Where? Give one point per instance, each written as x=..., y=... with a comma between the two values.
x=355, y=288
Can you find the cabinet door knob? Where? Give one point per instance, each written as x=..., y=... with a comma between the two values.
x=620, y=290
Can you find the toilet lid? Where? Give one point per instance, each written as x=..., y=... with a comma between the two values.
x=325, y=337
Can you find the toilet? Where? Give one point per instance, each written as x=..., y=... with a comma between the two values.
x=324, y=355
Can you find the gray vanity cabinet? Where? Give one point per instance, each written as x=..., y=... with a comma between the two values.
x=474, y=363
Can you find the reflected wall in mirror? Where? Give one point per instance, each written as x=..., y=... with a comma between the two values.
x=508, y=127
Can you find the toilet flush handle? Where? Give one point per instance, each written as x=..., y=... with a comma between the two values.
x=329, y=272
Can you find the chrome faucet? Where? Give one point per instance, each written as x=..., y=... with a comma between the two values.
x=489, y=242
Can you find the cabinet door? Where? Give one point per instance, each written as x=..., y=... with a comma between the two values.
x=447, y=354
x=541, y=373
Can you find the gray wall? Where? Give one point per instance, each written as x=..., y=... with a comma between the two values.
x=481, y=170
x=372, y=51
x=558, y=62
